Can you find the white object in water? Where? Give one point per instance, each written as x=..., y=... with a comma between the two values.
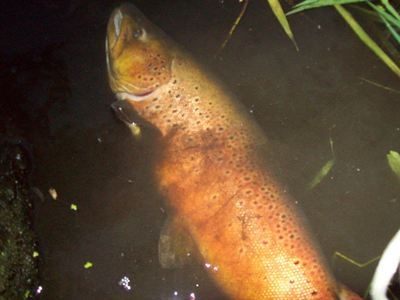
x=125, y=283
x=386, y=268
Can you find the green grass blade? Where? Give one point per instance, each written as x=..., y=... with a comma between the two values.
x=308, y=4
x=393, y=159
x=384, y=15
x=366, y=39
x=280, y=15
x=394, y=33
x=323, y=172
x=391, y=9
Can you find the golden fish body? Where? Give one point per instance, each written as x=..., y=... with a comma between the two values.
x=213, y=171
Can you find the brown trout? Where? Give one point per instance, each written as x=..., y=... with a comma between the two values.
x=212, y=169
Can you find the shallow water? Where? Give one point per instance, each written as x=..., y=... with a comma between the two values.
x=301, y=100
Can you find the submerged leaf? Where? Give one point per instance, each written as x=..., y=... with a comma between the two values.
x=280, y=15
x=327, y=167
x=367, y=39
x=393, y=158
x=235, y=24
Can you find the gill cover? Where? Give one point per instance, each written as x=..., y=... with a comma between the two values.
x=137, y=60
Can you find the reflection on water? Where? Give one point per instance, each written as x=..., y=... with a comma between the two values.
x=301, y=99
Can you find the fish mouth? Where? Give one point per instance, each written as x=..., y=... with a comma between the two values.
x=121, y=21
x=121, y=26
x=133, y=96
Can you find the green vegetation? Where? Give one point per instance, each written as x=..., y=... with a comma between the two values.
x=280, y=15
x=324, y=171
x=393, y=159
x=88, y=265
x=383, y=13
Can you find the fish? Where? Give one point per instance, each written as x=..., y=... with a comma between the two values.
x=214, y=171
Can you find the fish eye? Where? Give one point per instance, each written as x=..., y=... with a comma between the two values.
x=138, y=33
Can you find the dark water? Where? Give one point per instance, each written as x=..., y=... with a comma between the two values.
x=53, y=63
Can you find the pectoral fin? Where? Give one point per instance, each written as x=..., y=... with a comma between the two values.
x=175, y=246
x=124, y=112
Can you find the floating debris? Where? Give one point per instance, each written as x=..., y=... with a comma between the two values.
x=324, y=171
x=39, y=290
x=53, y=193
x=380, y=85
x=125, y=283
x=88, y=265
x=252, y=109
x=326, y=168
x=208, y=266
x=393, y=159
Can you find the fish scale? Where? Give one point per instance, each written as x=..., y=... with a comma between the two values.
x=213, y=171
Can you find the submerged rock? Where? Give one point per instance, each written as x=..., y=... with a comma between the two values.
x=18, y=267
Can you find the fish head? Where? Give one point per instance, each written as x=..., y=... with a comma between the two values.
x=138, y=60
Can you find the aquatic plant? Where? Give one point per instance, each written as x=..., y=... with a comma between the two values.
x=324, y=171
x=383, y=12
x=393, y=159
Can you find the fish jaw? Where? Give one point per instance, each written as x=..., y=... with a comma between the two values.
x=137, y=61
